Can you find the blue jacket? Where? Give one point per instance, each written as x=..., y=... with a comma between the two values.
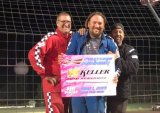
x=77, y=43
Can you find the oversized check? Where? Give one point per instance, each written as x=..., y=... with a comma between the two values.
x=87, y=75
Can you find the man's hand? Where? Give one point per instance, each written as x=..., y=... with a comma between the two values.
x=115, y=79
x=52, y=80
x=115, y=55
x=60, y=57
x=82, y=31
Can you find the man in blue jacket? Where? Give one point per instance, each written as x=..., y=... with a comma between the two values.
x=92, y=42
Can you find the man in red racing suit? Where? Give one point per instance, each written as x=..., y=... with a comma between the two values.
x=44, y=59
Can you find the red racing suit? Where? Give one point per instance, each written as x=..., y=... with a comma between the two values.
x=44, y=59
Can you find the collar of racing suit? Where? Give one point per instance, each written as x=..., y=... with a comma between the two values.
x=59, y=33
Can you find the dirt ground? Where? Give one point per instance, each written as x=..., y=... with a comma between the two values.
x=143, y=111
x=39, y=110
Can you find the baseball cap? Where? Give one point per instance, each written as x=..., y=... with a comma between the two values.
x=117, y=26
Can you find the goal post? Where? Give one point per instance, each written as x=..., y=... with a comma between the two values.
x=152, y=2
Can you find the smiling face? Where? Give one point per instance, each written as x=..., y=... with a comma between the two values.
x=64, y=23
x=118, y=35
x=96, y=26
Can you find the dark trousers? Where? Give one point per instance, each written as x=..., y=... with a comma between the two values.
x=116, y=105
x=67, y=105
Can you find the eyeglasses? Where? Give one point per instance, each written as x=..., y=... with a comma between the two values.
x=64, y=21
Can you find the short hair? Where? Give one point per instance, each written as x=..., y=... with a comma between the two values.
x=95, y=13
x=63, y=13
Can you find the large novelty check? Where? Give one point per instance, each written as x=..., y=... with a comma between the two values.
x=87, y=75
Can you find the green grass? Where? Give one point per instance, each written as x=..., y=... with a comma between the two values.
x=23, y=110
x=139, y=106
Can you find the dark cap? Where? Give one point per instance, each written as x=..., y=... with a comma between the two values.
x=117, y=26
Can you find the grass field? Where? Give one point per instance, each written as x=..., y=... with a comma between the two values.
x=139, y=106
x=23, y=110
